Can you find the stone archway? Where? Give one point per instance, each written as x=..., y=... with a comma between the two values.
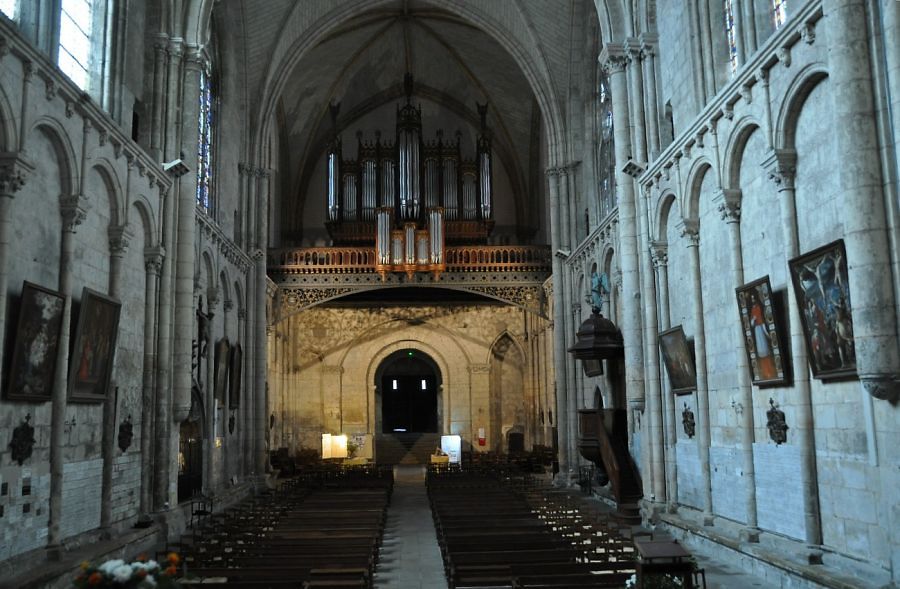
x=408, y=393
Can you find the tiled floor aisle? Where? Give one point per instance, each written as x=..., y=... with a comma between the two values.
x=410, y=557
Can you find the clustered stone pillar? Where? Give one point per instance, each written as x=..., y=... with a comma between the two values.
x=860, y=179
x=559, y=322
x=613, y=59
x=260, y=334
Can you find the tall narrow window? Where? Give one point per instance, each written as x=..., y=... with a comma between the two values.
x=779, y=12
x=205, y=143
x=76, y=20
x=8, y=8
x=606, y=163
x=732, y=35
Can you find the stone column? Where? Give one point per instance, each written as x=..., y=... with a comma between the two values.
x=153, y=258
x=613, y=59
x=13, y=172
x=118, y=245
x=729, y=203
x=212, y=300
x=164, y=488
x=648, y=58
x=260, y=351
x=559, y=323
x=860, y=179
x=184, y=254
x=660, y=253
x=706, y=49
x=73, y=210
x=691, y=231
x=782, y=168
x=653, y=443
x=160, y=58
x=747, y=28
x=636, y=96
x=245, y=412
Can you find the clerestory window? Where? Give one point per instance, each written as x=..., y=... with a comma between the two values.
x=779, y=12
x=8, y=8
x=75, y=28
x=206, y=124
x=731, y=35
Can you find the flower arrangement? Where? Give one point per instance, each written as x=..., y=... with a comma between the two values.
x=140, y=574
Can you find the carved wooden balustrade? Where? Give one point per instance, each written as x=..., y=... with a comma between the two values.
x=344, y=260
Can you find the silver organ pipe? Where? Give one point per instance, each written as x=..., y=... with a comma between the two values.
x=484, y=172
x=397, y=248
x=334, y=187
x=405, y=173
x=422, y=256
x=383, y=236
x=387, y=183
x=469, y=197
x=436, y=235
x=409, y=235
x=349, y=204
x=432, y=182
x=451, y=199
x=369, y=188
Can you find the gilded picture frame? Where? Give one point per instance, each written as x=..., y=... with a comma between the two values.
x=36, y=345
x=822, y=288
x=762, y=332
x=679, y=360
x=93, y=352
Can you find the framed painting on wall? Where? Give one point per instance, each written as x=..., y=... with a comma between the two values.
x=234, y=376
x=679, y=360
x=33, y=363
x=762, y=334
x=220, y=377
x=823, y=298
x=91, y=358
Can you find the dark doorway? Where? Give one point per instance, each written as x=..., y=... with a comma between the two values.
x=409, y=394
x=190, y=460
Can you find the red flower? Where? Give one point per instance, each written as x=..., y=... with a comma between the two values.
x=171, y=571
x=95, y=579
x=173, y=558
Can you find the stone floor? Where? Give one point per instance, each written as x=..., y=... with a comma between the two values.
x=410, y=557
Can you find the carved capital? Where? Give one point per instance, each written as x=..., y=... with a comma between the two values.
x=632, y=48
x=659, y=253
x=228, y=305
x=175, y=47
x=153, y=259
x=263, y=173
x=13, y=173
x=690, y=230
x=781, y=166
x=729, y=205
x=73, y=209
x=194, y=59
x=649, y=44
x=258, y=254
x=807, y=32
x=119, y=237
x=613, y=58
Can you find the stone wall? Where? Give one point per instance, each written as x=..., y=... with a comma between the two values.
x=324, y=361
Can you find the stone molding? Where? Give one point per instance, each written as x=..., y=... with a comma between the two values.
x=479, y=368
x=228, y=248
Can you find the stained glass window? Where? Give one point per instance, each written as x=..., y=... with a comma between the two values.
x=205, y=144
x=75, y=23
x=731, y=34
x=606, y=165
x=779, y=12
x=8, y=7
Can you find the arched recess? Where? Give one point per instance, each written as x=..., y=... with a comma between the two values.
x=662, y=218
x=65, y=155
x=798, y=91
x=375, y=372
x=507, y=396
x=8, y=140
x=692, y=188
x=147, y=220
x=110, y=180
x=734, y=151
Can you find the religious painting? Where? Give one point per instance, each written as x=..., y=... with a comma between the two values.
x=823, y=297
x=679, y=360
x=223, y=353
x=234, y=376
x=33, y=363
x=762, y=336
x=91, y=359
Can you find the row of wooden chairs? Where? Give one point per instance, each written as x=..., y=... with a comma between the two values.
x=308, y=532
x=495, y=531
